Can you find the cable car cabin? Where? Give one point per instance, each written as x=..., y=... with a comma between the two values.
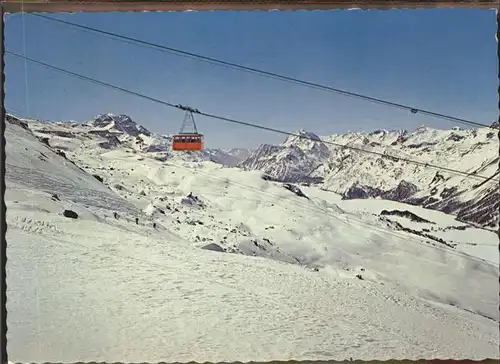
x=187, y=142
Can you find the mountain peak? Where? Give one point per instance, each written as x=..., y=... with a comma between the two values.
x=122, y=123
x=301, y=136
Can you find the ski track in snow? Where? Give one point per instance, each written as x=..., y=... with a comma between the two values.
x=101, y=289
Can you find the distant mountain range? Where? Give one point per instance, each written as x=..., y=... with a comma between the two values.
x=360, y=173
x=368, y=170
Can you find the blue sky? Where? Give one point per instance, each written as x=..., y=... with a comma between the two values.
x=444, y=60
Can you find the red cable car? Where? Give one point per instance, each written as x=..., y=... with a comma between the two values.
x=188, y=141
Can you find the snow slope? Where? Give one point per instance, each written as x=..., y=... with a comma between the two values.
x=357, y=174
x=98, y=288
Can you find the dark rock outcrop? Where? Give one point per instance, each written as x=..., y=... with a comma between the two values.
x=295, y=190
x=60, y=133
x=61, y=153
x=403, y=191
x=111, y=142
x=361, y=192
x=13, y=120
x=484, y=211
x=104, y=133
x=70, y=214
x=214, y=247
x=423, y=234
x=192, y=200
x=267, y=177
x=438, y=177
x=447, y=192
x=455, y=137
x=44, y=140
x=99, y=178
x=407, y=214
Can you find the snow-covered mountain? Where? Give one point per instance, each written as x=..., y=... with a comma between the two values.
x=298, y=159
x=357, y=174
x=138, y=249
x=118, y=124
x=108, y=131
x=228, y=157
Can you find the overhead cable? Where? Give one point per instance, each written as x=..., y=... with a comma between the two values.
x=240, y=122
x=268, y=74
